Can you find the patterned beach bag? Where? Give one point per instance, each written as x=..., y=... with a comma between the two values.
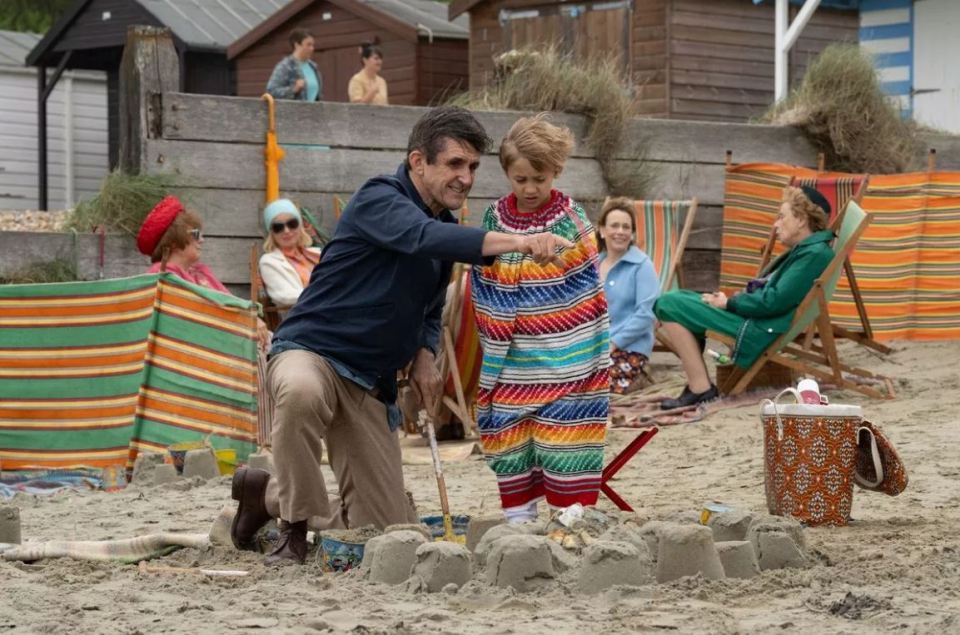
x=810, y=456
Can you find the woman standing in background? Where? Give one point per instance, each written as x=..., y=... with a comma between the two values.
x=367, y=87
x=296, y=76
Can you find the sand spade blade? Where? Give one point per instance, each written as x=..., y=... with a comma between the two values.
x=448, y=534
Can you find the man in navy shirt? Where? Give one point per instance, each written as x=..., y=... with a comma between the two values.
x=372, y=307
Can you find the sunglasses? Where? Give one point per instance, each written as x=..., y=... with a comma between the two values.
x=291, y=224
x=196, y=234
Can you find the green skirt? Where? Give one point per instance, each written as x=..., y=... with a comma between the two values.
x=689, y=310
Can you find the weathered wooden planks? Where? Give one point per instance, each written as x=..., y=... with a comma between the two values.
x=302, y=126
x=240, y=166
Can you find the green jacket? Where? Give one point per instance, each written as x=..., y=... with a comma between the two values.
x=770, y=310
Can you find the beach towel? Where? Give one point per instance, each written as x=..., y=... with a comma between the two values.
x=93, y=372
x=128, y=550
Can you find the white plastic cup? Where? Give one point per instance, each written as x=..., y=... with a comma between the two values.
x=809, y=391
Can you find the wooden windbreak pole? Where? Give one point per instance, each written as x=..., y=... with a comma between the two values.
x=932, y=160
x=149, y=67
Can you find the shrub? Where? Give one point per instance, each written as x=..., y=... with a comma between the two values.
x=121, y=205
x=842, y=111
x=548, y=80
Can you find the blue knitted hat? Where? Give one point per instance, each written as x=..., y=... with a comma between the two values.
x=277, y=207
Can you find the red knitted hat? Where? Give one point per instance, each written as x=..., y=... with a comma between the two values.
x=156, y=224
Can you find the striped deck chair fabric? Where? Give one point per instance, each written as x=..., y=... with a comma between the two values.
x=91, y=373
x=658, y=234
x=836, y=189
x=466, y=345
x=905, y=261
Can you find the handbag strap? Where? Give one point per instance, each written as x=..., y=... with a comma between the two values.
x=861, y=480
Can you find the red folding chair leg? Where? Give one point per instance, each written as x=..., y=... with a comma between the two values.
x=617, y=464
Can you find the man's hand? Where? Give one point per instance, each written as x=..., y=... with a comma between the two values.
x=425, y=381
x=543, y=248
x=298, y=86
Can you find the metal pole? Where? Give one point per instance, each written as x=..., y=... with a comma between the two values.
x=784, y=39
x=43, y=93
x=41, y=138
x=780, y=51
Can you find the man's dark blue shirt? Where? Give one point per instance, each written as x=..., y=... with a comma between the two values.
x=377, y=294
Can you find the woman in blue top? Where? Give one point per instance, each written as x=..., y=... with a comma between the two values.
x=296, y=76
x=632, y=288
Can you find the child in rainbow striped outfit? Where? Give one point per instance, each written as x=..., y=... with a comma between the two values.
x=542, y=401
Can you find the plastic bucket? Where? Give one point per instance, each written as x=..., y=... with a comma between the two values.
x=226, y=461
x=339, y=555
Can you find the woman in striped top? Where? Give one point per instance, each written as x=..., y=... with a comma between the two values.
x=542, y=401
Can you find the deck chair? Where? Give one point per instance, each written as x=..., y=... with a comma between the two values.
x=338, y=205
x=272, y=314
x=460, y=367
x=813, y=316
x=838, y=191
x=662, y=236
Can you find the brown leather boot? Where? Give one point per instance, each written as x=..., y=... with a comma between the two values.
x=291, y=545
x=249, y=488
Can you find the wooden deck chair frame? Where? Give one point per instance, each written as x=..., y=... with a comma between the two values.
x=813, y=314
x=864, y=338
x=271, y=312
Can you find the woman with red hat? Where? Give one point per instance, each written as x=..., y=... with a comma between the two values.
x=173, y=238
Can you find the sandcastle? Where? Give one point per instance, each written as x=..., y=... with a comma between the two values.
x=588, y=555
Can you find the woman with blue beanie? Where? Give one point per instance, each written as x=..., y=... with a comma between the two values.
x=288, y=258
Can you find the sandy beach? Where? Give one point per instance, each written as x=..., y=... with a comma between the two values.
x=896, y=567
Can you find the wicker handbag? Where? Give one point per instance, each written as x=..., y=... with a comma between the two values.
x=810, y=456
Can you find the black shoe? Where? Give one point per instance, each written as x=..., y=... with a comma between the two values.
x=291, y=545
x=690, y=398
x=249, y=488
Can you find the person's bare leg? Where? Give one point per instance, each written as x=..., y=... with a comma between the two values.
x=687, y=348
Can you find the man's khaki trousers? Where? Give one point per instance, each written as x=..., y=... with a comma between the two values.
x=312, y=405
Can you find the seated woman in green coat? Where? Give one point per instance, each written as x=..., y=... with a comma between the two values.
x=761, y=313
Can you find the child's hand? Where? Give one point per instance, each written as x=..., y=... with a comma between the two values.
x=543, y=248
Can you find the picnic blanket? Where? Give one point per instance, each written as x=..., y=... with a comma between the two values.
x=93, y=372
x=906, y=262
x=128, y=550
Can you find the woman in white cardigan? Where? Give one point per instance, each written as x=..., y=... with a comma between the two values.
x=288, y=257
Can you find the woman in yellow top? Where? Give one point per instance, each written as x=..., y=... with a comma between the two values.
x=367, y=87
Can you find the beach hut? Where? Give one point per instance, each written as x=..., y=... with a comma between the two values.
x=91, y=34
x=687, y=59
x=425, y=55
x=77, y=152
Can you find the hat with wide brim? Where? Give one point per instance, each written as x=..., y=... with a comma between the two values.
x=156, y=224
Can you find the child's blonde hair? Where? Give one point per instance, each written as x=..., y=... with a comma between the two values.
x=535, y=139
